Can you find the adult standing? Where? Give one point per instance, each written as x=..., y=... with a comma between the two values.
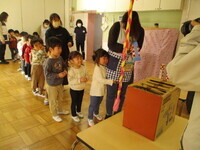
x=58, y=31
x=184, y=71
x=115, y=45
x=3, y=37
x=80, y=32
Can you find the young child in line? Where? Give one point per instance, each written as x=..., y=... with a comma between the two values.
x=27, y=54
x=13, y=44
x=77, y=78
x=17, y=35
x=38, y=56
x=21, y=48
x=55, y=71
x=98, y=86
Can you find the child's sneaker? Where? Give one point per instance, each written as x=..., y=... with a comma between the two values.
x=76, y=118
x=26, y=76
x=35, y=93
x=20, y=69
x=22, y=72
x=90, y=122
x=57, y=118
x=29, y=78
x=99, y=117
x=40, y=94
x=46, y=102
x=80, y=114
x=64, y=112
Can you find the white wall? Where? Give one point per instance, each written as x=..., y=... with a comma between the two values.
x=191, y=10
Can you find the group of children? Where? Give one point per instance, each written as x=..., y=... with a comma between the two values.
x=55, y=69
x=45, y=67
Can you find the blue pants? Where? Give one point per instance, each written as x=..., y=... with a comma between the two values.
x=111, y=96
x=95, y=102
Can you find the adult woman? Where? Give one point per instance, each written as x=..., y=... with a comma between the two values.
x=3, y=37
x=184, y=71
x=61, y=33
x=115, y=44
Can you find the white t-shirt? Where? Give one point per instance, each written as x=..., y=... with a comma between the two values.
x=99, y=81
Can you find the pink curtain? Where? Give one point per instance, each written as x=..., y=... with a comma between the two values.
x=158, y=48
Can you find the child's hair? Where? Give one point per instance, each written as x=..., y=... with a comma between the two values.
x=16, y=31
x=36, y=34
x=74, y=54
x=29, y=37
x=35, y=40
x=53, y=42
x=10, y=30
x=24, y=35
x=98, y=54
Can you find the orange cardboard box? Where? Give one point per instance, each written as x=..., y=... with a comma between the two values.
x=150, y=107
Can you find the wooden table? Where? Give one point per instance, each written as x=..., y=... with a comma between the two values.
x=111, y=135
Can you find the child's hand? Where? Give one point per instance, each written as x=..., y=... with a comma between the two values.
x=115, y=82
x=69, y=44
x=62, y=74
x=83, y=79
x=65, y=71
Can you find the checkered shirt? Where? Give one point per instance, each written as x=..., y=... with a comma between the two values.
x=115, y=74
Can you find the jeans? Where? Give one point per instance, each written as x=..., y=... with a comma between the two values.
x=95, y=102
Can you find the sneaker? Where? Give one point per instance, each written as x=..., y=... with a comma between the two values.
x=22, y=72
x=29, y=78
x=76, y=119
x=90, y=122
x=4, y=62
x=57, y=118
x=40, y=94
x=35, y=93
x=99, y=117
x=46, y=102
x=20, y=69
x=80, y=114
x=64, y=112
x=107, y=116
x=26, y=76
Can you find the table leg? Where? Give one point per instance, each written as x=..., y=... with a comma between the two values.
x=74, y=144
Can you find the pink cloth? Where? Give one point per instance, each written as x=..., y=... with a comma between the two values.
x=158, y=48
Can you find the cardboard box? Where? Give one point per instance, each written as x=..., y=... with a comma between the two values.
x=150, y=107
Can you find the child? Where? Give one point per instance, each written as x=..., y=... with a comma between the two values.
x=98, y=86
x=21, y=46
x=17, y=35
x=12, y=44
x=38, y=56
x=27, y=54
x=55, y=71
x=77, y=78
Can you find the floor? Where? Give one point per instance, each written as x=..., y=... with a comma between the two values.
x=26, y=123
